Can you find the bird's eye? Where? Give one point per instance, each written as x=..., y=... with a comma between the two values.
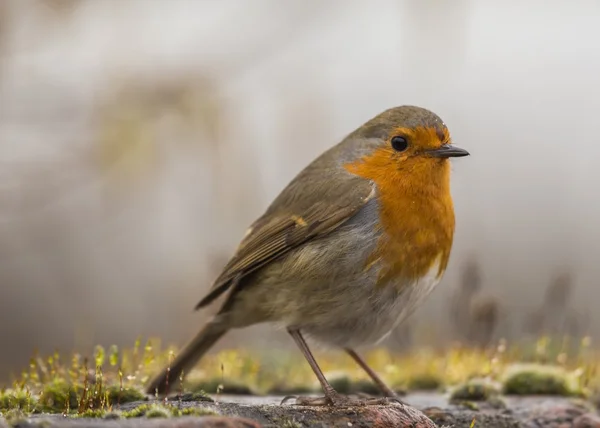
x=399, y=143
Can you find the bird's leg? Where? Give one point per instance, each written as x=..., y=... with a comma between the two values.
x=386, y=390
x=330, y=393
x=332, y=397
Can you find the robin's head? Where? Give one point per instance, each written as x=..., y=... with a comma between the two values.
x=405, y=147
x=405, y=151
x=406, y=138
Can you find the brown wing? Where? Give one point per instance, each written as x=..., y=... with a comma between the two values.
x=275, y=234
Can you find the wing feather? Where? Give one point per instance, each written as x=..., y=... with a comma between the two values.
x=275, y=234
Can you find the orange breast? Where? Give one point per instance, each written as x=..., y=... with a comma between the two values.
x=416, y=213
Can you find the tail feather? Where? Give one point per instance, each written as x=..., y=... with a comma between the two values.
x=186, y=359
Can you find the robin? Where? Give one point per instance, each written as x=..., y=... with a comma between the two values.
x=347, y=251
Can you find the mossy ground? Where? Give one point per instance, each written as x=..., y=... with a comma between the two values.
x=96, y=386
x=541, y=379
x=478, y=390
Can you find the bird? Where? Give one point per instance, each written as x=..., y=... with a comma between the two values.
x=348, y=250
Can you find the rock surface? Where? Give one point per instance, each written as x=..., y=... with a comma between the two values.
x=588, y=420
x=182, y=422
x=251, y=412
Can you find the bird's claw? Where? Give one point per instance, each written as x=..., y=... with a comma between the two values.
x=339, y=400
x=288, y=398
x=314, y=401
x=389, y=400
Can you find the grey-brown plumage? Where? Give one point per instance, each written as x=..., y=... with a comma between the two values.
x=302, y=264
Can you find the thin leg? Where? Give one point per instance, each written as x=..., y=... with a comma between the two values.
x=332, y=397
x=387, y=391
x=327, y=388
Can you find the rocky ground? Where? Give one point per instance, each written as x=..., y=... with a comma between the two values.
x=433, y=410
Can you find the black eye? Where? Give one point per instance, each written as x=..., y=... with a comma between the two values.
x=399, y=143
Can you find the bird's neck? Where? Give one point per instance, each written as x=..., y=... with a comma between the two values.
x=416, y=216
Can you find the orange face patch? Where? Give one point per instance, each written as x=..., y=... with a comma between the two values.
x=416, y=211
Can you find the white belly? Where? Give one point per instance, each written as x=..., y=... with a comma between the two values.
x=369, y=315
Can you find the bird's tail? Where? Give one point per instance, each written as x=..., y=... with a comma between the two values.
x=163, y=383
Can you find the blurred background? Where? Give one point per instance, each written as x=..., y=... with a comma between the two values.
x=139, y=139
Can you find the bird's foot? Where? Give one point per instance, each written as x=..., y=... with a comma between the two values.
x=385, y=400
x=338, y=400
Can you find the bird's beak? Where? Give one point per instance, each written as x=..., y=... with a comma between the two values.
x=447, y=151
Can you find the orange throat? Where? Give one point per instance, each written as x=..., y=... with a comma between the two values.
x=416, y=214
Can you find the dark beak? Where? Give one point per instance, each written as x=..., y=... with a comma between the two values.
x=447, y=151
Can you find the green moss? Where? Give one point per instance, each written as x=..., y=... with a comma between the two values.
x=165, y=411
x=537, y=379
x=221, y=386
x=57, y=396
x=127, y=395
x=198, y=411
x=475, y=390
x=137, y=412
x=92, y=413
x=424, y=382
x=150, y=411
x=471, y=405
x=56, y=385
x=290, y=423
x=113, y=415
x=17, y=399
x=158, y=412
x=14, y=416
x=196, y=396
